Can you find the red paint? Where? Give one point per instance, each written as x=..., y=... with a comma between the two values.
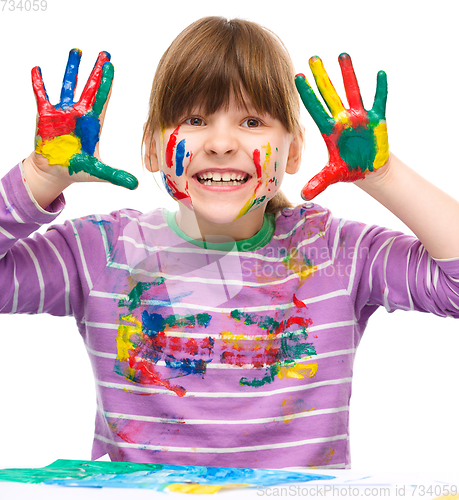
x=256, y=161
x=54, y=122
x=207, y=343
x=297, y=320
x=191, y=347
x=336, y=169
x=151, y=377
x=356, y=112
x=176, y=193
x=298, y=303
x=171, y=147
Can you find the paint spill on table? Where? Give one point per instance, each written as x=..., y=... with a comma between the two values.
x=176, y=478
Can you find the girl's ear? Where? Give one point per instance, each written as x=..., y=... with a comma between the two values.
x=294, y=154
x=150, y=153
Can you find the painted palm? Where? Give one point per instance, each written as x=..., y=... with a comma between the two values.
x=68, y=132
x=356, y=138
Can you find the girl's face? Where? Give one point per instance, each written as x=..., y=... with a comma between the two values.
x=225, y=165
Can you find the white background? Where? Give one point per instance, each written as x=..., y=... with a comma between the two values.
x=405, y=395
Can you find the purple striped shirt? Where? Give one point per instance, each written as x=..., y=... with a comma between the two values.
x=228, y=354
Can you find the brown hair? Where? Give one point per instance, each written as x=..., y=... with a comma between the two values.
x=214, y=59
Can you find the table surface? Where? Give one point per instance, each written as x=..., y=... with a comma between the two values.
x=345, y=483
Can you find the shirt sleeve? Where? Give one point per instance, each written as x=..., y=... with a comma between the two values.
x=391, y=269
x=46, y=273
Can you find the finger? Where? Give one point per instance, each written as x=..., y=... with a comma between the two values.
x=325, y=87
x=90, y=89
x=332, y=173
x=91, y=165
x=70, y=79
x=379, y=106
x=104, y=88
x=39, y=90
x=351, y=86
x=322, y=119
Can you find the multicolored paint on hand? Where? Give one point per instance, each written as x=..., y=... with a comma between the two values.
x=356, y=139
x=68, y=132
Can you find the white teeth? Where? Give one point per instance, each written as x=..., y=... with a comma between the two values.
x=231, y=179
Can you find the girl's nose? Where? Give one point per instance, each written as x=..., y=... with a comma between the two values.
x=221, y=142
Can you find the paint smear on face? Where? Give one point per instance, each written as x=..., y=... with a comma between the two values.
x=175, y=153
x=179, y=157
x=171, y=147
x=173, y=190
x=254, y=202
x=176, y=150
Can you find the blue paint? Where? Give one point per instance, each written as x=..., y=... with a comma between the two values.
x=79, y=473
x=187, y=365
x=166, y=185
x=179, y=156
x=70, y=80
x=152, y=324
x=87, y=128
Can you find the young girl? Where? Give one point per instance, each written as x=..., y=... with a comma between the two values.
x=224, y=333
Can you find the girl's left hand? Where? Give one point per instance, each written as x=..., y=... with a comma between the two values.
x=356, y=138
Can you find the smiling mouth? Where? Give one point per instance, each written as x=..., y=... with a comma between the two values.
x=224, y=179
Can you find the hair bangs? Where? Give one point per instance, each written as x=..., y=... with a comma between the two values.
x=214, y=60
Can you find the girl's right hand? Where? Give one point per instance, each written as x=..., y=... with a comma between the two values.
x=67, y=136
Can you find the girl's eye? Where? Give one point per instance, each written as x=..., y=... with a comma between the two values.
x=251, y=123
x=195, y=121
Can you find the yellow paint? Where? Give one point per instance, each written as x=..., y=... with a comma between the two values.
x=59, y=150
x=285, y=419
x=267, y=161
x=328, y=92
x=202, y=489
x=261, y=342
x=298, y=370
x=246, y=207
x=448, y=497
x=123, y=339
x=297, y=265
x=382, y=145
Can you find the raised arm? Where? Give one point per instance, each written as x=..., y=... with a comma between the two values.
x=358, y=149
x=356, y=139
x=68, y=133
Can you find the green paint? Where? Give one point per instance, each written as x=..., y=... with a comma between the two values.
x=133, y=300
x=293, y=346
x=104, y=88
x=203, y=319
x=357, y=147
x=378, y=111
x=264, y=322
x=322, y=119
x=267, y=379
x=134, y=296
x=80, y=162
x=73, y=469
